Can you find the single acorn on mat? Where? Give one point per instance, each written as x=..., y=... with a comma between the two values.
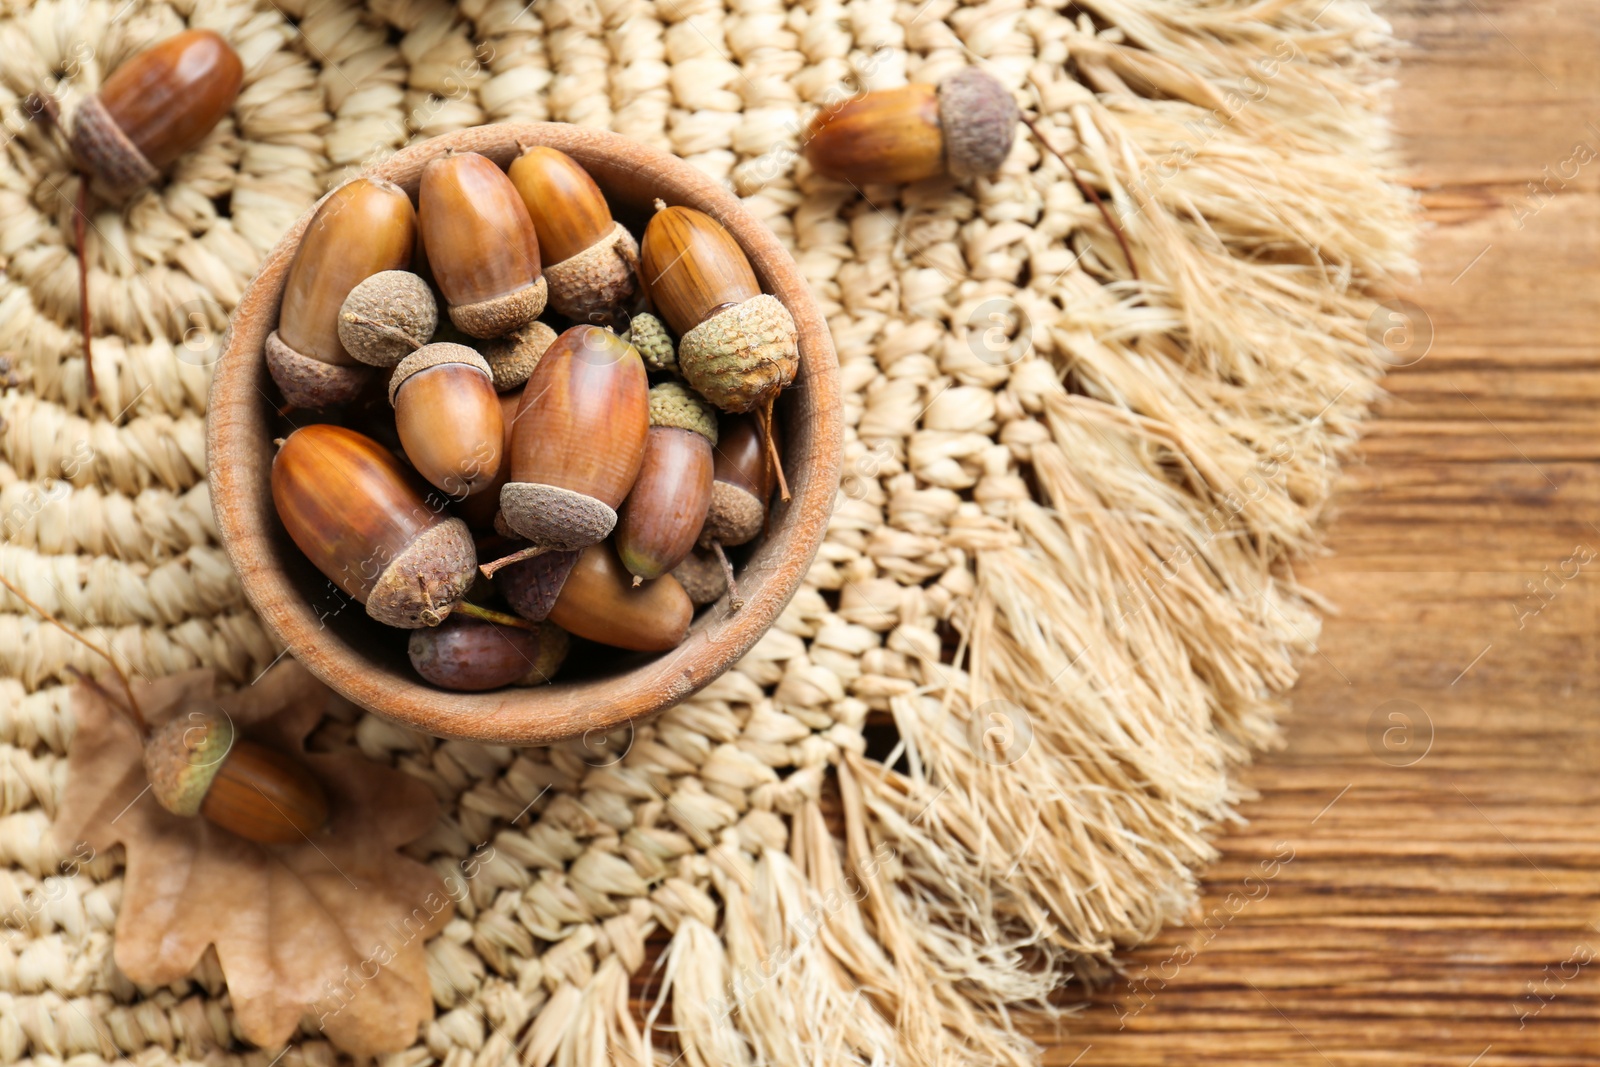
x=590, y=261
x=600, y=602
x=155, y=107
x=736, y=344
x=362, y=228
x=448, y=417
x=472, y=655
x=964, y=127
x=662, y=517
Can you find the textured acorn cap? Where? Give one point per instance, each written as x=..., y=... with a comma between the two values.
x=554, y=643
x=734, y=517
x=434, y=356
x=421, y=584
x=532, y=586
x=675, y=404
x=106, y=152
x=513, y=357
x=702, y=578
x=554, y=517
x=979, y=119
x=183, y=755
x=387, y=316
x=590, y=286
x=499, y=316
x=742, y=356
x=649, y=337
x=311, y=383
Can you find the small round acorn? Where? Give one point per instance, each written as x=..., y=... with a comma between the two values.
x=742, y=485
x=197, y=765
x=531, y=586
x=963, y=128
x=154, y=108
x=387, y=317
x=649, y=337
x=448, y=416
x=590, y=261
x=471, y=655
x=737, y=345
x=513, y=357
x=600, y=602
x=702, y=577
x=664, y=512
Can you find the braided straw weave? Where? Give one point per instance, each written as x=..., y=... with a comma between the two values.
x=1093, y=486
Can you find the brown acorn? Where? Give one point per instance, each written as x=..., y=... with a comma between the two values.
x=663, y=514
x=532, y=585
x=590, y=261
x=361, y=228
x=513, y=357
x=359, y=515
x=481, y=506
x=155, y=107
x=741, y=487
x=736, y=344
x=387, y=317
x=448, y=417
x=481, y=245
x=579, y=440
x=702, y=577
x=963, y=128
x=197, y=765
x=471, y=655
x=600, y=602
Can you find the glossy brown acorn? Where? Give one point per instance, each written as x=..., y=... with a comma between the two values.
x=579, y=440
x=600, y=602
x=480, y=508
x=359, y=515
x=737, y=345
x=197, y=765
x=481, y=246
x=448, y=417
x=471, y=655
x=363, y=227
x=963, y=127
x=663, y=514
x=155, y=107
x=590, y=261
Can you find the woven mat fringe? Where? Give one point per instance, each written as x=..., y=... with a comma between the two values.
x=1103, y=505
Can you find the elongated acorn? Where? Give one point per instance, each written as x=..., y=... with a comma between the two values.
x=590, y=261
x=702, y=577
x=649, y=337
x=963, y=128
x=387, y=317
x=531, y=586
x=664, y=512
x=471, y=655
x=741, y=487
x=481, y=506
x=600, y=602
x=579, y=440
x=736, y=344
x=513, y=357
x=448, y=417
x=197, y=765
x=362, y=228
x=155, y=107
x=360, y=516
x=481, y=245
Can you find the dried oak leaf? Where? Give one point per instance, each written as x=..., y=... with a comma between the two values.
x=330, y=930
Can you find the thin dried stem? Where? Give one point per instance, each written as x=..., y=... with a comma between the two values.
x=1088, y=191
x=531, y=552
x=735, y=601
x=499, y=618
x=773, y=459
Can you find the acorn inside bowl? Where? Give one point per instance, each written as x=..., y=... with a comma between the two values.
x=598, y=688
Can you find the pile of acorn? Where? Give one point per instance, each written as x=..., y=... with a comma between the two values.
x=493, y=482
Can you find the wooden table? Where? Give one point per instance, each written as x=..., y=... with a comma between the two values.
x=1443, y=901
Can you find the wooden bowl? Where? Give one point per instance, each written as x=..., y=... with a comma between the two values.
x=366, y=662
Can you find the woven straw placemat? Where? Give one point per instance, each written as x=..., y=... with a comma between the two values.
x=1094, y=485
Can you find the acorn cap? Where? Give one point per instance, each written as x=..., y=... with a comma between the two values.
x=421, y=584
x=741, y=356
x=531, y=586
x=434, y=356
x=554, y=643
x=554, y=517
x=183, y=755
x=106, y=152
x=734, y=517
x=592, y=285
x=512, y=357
x=387, y=316
x=311, y=383
x=979, y=119
x=702, y=578
x=500, y=315
x=649, y=337
x=675, y=404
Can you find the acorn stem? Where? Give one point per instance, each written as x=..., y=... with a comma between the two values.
x=499, y=618
x=518, y=556
x=735, y=601
x=80, y=235
x=774, y=460
x=1088, y=191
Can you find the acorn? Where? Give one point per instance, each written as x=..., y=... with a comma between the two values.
x=481, y=506
x=649, y=337
x=963, y=127
x=359, y=515
x=198, y=765
x=471, y=655
x=362, y=228
x=702, y=577
x=387, y=317
x=481, y=246
x=154, y=108
x=532, y=585
x=448, y=417
x=663, y=514
x=600, y=602
x=591, y=261
x=513, y=357
x=736, y=344
x=741, y=486
x=579, y=440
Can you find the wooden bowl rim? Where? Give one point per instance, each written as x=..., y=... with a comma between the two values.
x=239, y=462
